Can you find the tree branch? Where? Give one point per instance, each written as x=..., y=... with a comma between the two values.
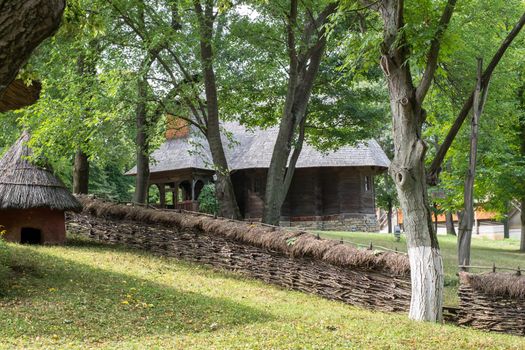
x=433, y=52
x=433, y=171
x=295, y=156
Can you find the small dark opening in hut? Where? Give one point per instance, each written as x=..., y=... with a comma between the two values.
x=30, y=235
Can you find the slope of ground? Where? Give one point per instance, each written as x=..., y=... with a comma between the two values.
x=86, y=295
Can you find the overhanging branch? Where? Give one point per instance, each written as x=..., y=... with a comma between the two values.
x=433, y=171
x=433, y=52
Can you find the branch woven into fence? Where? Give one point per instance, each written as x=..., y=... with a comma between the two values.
x=295, y=244
x=493, y=301
x=297, y=260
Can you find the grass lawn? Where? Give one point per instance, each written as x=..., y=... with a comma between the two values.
x=85, y=295
x=484, y=252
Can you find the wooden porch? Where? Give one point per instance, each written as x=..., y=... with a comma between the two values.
x=178, y=189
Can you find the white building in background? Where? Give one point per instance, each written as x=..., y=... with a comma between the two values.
x=485, y=224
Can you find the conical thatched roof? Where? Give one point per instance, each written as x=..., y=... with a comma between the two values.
x=24, y=185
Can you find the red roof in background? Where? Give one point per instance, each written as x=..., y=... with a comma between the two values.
x=480, y=214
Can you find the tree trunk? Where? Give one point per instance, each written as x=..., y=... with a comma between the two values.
x=223, y=186
x=24, y=25
x=408, y=168
x=141, y=141
x=81, y=173
x=451, y=230
x=303, y=70
x=521, y=97
x=224, y=192
x=86, y=69
x=389, y=216
x=522, y=217
x=466, y=221
x=435, y=218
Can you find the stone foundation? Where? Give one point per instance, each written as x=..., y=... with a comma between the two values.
x=343, y=222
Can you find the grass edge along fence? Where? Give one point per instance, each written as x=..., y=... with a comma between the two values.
x=297, y=260
x=293, y=259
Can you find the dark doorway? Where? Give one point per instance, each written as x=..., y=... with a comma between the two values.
x=185, y=191
x=198, y=188
x=30, y=235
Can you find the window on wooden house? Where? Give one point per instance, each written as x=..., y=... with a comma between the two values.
x=368, y=183
x=256, y=185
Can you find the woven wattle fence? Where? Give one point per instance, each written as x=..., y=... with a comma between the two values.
x=295, y=260
x=493, y=301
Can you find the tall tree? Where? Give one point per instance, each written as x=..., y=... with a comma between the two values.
x=185, y=90
x=305, y=56
x=521, y=128
x=86, y=69
x=83, y=108
x=223, y=186
x=466, y=221
x=408, y=168
x=142, y=133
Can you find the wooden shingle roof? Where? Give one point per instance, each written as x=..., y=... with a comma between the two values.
x=253, y=149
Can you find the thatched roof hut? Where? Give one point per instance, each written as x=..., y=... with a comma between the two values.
x=24, y=185
x=32, y=199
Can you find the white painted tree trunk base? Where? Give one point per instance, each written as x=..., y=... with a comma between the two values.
x=426, y=271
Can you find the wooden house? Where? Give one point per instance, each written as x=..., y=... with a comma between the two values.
x=332, y=190
x=32, y=199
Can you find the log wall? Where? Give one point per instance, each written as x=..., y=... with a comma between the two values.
x=316, y=196
x=375, y=289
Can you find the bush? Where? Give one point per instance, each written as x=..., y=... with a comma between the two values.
x=207, y=201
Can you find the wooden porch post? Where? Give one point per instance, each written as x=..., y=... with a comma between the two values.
x=162, y=193
x=175, y=194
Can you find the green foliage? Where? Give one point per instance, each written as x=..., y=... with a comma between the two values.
x=10, y=131
x=348, y=102
x=500, y=172
x=84, y=103
x=89, y=70
x=208, y=202
x=109, y=183
x=385, y=190
x=153, y=195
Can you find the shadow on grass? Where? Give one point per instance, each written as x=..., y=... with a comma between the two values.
x=51, y=296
